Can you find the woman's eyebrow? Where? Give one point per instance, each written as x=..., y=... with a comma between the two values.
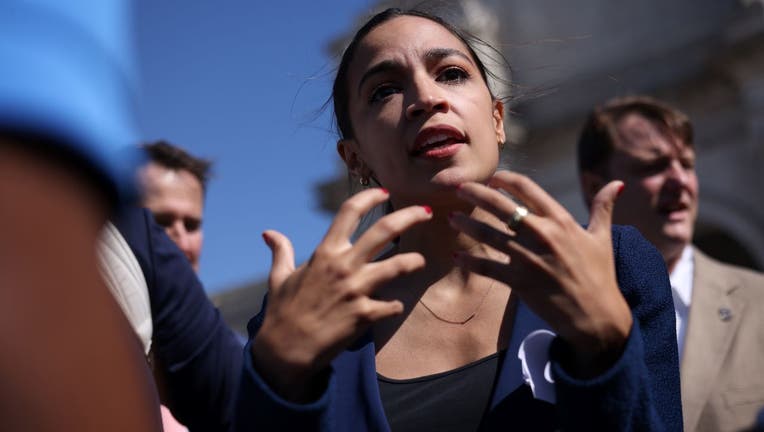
x=381, y=67
x=441, y=53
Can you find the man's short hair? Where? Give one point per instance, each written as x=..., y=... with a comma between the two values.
x=174, y=157
x=599, y=137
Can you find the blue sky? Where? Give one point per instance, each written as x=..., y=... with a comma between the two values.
x=242, y=83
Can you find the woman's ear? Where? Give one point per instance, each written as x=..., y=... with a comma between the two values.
x=498, y=118
x=348, y=150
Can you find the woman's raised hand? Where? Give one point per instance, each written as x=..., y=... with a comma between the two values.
x=315, y=311
x=565, y=273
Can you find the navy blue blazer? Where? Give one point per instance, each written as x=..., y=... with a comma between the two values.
x=639, y=392
x=199, y=358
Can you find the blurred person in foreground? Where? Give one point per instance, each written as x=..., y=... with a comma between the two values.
x=174, y=185
x=68, y=358
x=719, y=308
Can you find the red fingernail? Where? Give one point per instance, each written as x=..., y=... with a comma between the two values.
x=620, y=189
x=427, y=209
x=266, y=239
x=384, y=190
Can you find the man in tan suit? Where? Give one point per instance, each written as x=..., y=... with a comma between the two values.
x=719, y=308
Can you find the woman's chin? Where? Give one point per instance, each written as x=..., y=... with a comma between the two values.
x=453, y=177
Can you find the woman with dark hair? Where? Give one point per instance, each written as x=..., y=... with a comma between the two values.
x=485, y=314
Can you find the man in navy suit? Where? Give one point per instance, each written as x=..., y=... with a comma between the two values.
x=174, y=187
x=197, y=357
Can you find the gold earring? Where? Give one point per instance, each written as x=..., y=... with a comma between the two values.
x=501, y=145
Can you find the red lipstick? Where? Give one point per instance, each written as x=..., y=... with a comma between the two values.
x=438, y=142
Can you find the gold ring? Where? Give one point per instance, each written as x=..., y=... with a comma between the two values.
x=517, y=217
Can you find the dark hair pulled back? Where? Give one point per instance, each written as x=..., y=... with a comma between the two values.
x=340, y=88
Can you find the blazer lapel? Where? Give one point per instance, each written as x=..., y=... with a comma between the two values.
x=715, y=314
x=510, y=373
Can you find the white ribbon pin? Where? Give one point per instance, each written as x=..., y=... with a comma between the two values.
x=534, y=356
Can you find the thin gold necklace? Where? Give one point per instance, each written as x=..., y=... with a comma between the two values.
x=464, y=321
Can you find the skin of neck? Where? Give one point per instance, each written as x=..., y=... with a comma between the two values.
x=437, y=241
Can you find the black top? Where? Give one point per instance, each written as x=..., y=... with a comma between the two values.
x=450, y=401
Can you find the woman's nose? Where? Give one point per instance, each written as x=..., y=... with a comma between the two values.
x=427, y=97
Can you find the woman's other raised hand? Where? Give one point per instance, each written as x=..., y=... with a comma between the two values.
x=565, y=273
x=315, y=311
